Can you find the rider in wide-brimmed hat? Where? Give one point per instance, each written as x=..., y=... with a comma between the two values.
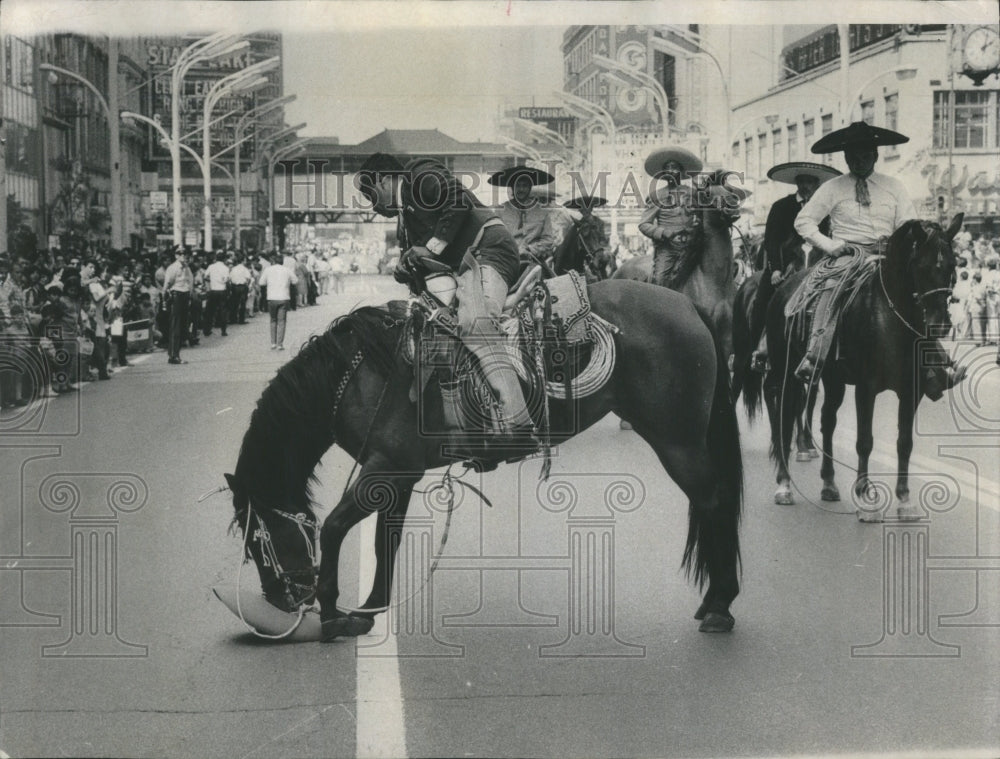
x=865, y=208
x=668, y=219
x=441, y=220
x=774, y=258
x=525, y=214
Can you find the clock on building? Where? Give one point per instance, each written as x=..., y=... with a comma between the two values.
x=981, y=53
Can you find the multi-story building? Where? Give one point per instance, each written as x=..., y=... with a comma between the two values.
x=902, y=77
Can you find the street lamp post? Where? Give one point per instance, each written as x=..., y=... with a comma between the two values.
x=243, y=81
x=664, y=46
x=244, y=121
x=214, y=46
x=278, y=155
x=600, y=117
x=110, y=106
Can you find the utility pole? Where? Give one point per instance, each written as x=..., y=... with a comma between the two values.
x=3, y=161
x=114, y=124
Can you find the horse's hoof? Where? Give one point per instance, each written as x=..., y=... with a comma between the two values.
x=702, y=611
x=715, y=622
x=907, y=513
x=813, y=453
x=623, y=425
x=830, y=493
x=347, y=626
x=802, y=456
x=869, y=517
x=783, y=497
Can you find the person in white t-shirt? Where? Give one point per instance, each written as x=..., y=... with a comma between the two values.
x=218, y=294
x=279, y=280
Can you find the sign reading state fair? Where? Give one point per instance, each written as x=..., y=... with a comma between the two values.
x=162, y=54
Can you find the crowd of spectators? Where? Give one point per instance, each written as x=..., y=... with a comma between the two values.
x=67, y=317
x=975, y=301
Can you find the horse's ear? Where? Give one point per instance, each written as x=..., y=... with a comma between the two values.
x=955, y=226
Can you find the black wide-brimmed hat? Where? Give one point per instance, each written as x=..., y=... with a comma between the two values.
x=858, y=134
x=586, y=201
x=689, y=162
x=375, y=166
x=789, y=172
x=507, y=177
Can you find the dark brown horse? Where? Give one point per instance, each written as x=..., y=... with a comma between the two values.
x=711, y=282
x=573, y=254
x=880, y=333
x=350, y=386
x=748, y=326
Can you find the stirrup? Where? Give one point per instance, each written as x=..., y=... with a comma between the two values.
x=758, y=362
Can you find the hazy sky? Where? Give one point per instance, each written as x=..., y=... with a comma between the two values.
x=354, y=85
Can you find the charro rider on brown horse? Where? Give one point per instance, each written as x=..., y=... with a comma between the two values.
x=440, y=219
x=865, y=208
x=668, y=219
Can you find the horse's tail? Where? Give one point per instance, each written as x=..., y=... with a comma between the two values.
x=727, y=462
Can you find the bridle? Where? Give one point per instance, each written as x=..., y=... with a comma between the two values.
x=919, y=298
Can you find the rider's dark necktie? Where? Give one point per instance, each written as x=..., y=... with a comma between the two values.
x=524, y=216
x=861, y=191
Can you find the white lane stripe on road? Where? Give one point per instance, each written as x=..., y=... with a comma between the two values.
x=380, y=729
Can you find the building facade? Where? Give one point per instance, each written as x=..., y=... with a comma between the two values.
x=902, y=77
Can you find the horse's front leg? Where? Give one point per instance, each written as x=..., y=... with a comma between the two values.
x=833, y=396
x=377, y=490
x=904, y=447
x=388, y=536
x=866, y=494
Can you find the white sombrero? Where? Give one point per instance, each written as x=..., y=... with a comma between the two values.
x=689, y=161
x=787, y=172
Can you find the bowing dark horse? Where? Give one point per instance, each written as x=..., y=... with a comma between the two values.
x=880, y=334
x=349, y=386
x=711, y=281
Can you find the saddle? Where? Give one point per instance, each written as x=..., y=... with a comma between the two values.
x=557, y=345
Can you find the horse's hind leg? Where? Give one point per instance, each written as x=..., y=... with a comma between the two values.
x=781, y=396
x=689, y=465
x=805, y=448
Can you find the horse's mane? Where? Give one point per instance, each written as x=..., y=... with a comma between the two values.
x=291, y=426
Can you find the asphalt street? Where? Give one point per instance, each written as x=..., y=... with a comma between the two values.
x=557, y=624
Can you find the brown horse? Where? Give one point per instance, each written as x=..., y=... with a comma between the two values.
x=711, y=283
x=350, y=386
x=904, y=302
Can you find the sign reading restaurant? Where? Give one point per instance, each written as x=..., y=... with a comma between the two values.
x=532, y=113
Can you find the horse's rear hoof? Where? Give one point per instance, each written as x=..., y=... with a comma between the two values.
x=715, y=622
x=784, y=497
x=829, y=493
x=813, y=453
x=347, y=626
x=802, y=456
x=702, y=611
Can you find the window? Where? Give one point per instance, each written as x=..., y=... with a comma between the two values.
x=966, y=119
x=747, y=155
x=776, y=146
x=808, y=130
x=942, y=120
x=761, y=152
x=868, y=112
x=735, y=151
x=891, y=119
x=827, y=127
x=793, y=142
x=971, y=115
